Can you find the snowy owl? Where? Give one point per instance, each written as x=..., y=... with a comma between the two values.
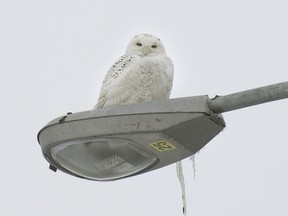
x=143, y=73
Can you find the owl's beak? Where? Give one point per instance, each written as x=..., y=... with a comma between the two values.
x=146, y=50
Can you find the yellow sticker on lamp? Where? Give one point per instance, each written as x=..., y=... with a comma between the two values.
x=162, y=146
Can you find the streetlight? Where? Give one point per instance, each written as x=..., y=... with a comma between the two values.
x=120, y=141
x=126, y=140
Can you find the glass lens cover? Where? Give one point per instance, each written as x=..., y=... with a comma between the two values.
x=102, y=159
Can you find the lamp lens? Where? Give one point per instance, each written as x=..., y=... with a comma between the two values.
x=102, y=159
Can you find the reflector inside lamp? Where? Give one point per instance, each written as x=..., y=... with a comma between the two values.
x=102, y=159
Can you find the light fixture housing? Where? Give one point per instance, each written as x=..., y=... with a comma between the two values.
x=126, y=140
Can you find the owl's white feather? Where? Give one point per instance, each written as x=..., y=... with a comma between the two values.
x=144, y=73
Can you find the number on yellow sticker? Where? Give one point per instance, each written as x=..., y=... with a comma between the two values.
x=162, y=146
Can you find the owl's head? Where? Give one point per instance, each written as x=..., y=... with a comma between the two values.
x=145, y=44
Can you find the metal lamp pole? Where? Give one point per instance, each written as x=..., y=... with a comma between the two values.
x=221, y=104
x=122, y=141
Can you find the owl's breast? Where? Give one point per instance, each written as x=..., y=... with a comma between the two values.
x=152, y=77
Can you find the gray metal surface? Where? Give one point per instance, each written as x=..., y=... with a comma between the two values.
x=186, y=123
x=248, y=98
x=197, y=104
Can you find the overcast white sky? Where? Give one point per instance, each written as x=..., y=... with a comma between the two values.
x=53, y=57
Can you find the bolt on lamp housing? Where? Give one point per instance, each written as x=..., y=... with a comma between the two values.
x=126, y=140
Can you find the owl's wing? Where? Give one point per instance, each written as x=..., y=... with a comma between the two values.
x=117, y=70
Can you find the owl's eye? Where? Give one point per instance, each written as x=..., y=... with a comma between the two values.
x=154, y=46
x=138, y=44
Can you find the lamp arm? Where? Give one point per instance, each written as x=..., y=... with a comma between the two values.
x=239, y=100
